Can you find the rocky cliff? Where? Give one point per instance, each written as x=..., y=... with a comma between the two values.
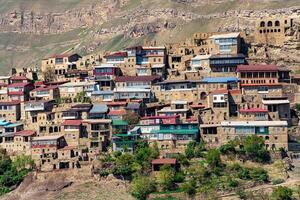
x=28, y=33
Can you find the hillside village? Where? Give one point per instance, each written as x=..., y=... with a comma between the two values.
x=74, y=110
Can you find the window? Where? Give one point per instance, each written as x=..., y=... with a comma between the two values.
x=262, y=24
x=270, y=24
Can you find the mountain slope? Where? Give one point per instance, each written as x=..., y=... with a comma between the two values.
x=32, y=30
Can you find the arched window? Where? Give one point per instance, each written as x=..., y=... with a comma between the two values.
x=203, y=96
x=50, y=130
x=270, y=24
x=278, y=30
x=277, y=23
x=262, y=24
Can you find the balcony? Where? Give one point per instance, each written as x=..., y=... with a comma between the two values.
x=35, y=106
x=70, y=115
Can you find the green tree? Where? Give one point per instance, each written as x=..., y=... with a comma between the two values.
x=82, y=98
x=5, y=162
x=49, y=74
x=282, y=193
x=165, y=177
x=132, y=118
x=213, y=158
x=142, y=186
x=254, y=147
x=228, y=148
x=22, y=162
x=198, y=152
x=189, y=151
x=123, y=165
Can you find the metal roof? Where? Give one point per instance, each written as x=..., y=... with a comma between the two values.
x=254, y=123
x=219, y=79
x=99, y=108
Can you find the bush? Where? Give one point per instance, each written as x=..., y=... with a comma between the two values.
x=244, y=174
x=226, y=149
x=179, y=177
x=277, y=181
x=254, y=147
x=282, y=193
x=236, y=167
x=232, y=183
x=259, y=174
x=122, y=171
x=103, y=172
x=142, y=186
x=213, y=158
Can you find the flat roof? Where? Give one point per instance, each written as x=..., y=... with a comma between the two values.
x=128, y=89
x=93, y=121
x=225, y=35
x=106, y=65
x=201, y=57
x=254, y=123
x=48, y=137
x=78, y=84
x=220, y=79
x=99, y=108
x=179, y=102
x=276, y=101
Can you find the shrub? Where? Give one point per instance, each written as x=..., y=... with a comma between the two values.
x=282, y=193
x=213, y=158
x=226, y=149
x=244, y=174
x=179, y=177
x=259, y=174
x=277, y=181
x=103, y=172
x=232, y=183
x=142, y=186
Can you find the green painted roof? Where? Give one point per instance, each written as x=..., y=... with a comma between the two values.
x=119, y=123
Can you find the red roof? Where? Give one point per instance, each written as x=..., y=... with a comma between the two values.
x=72, y=122
x=136, y=78
x=10, y=103
x=117, y=54
x=221, y=91
x=257, y=68
x=163, y=161
x=39, y=83
x=197, y=106
x=20, y=93
x=117, y=112
x=236, y=91
x=25, y=133
x=19, y=78
x=160, y=117
x=45, y=88
x=21, y=84
x=117, y=103
x=56, y=82
x=254, y=110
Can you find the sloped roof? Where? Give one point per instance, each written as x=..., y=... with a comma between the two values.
x=136, y=78
x=72, y=123
x=256, y=68
x=99, y=108
x=163, y=161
